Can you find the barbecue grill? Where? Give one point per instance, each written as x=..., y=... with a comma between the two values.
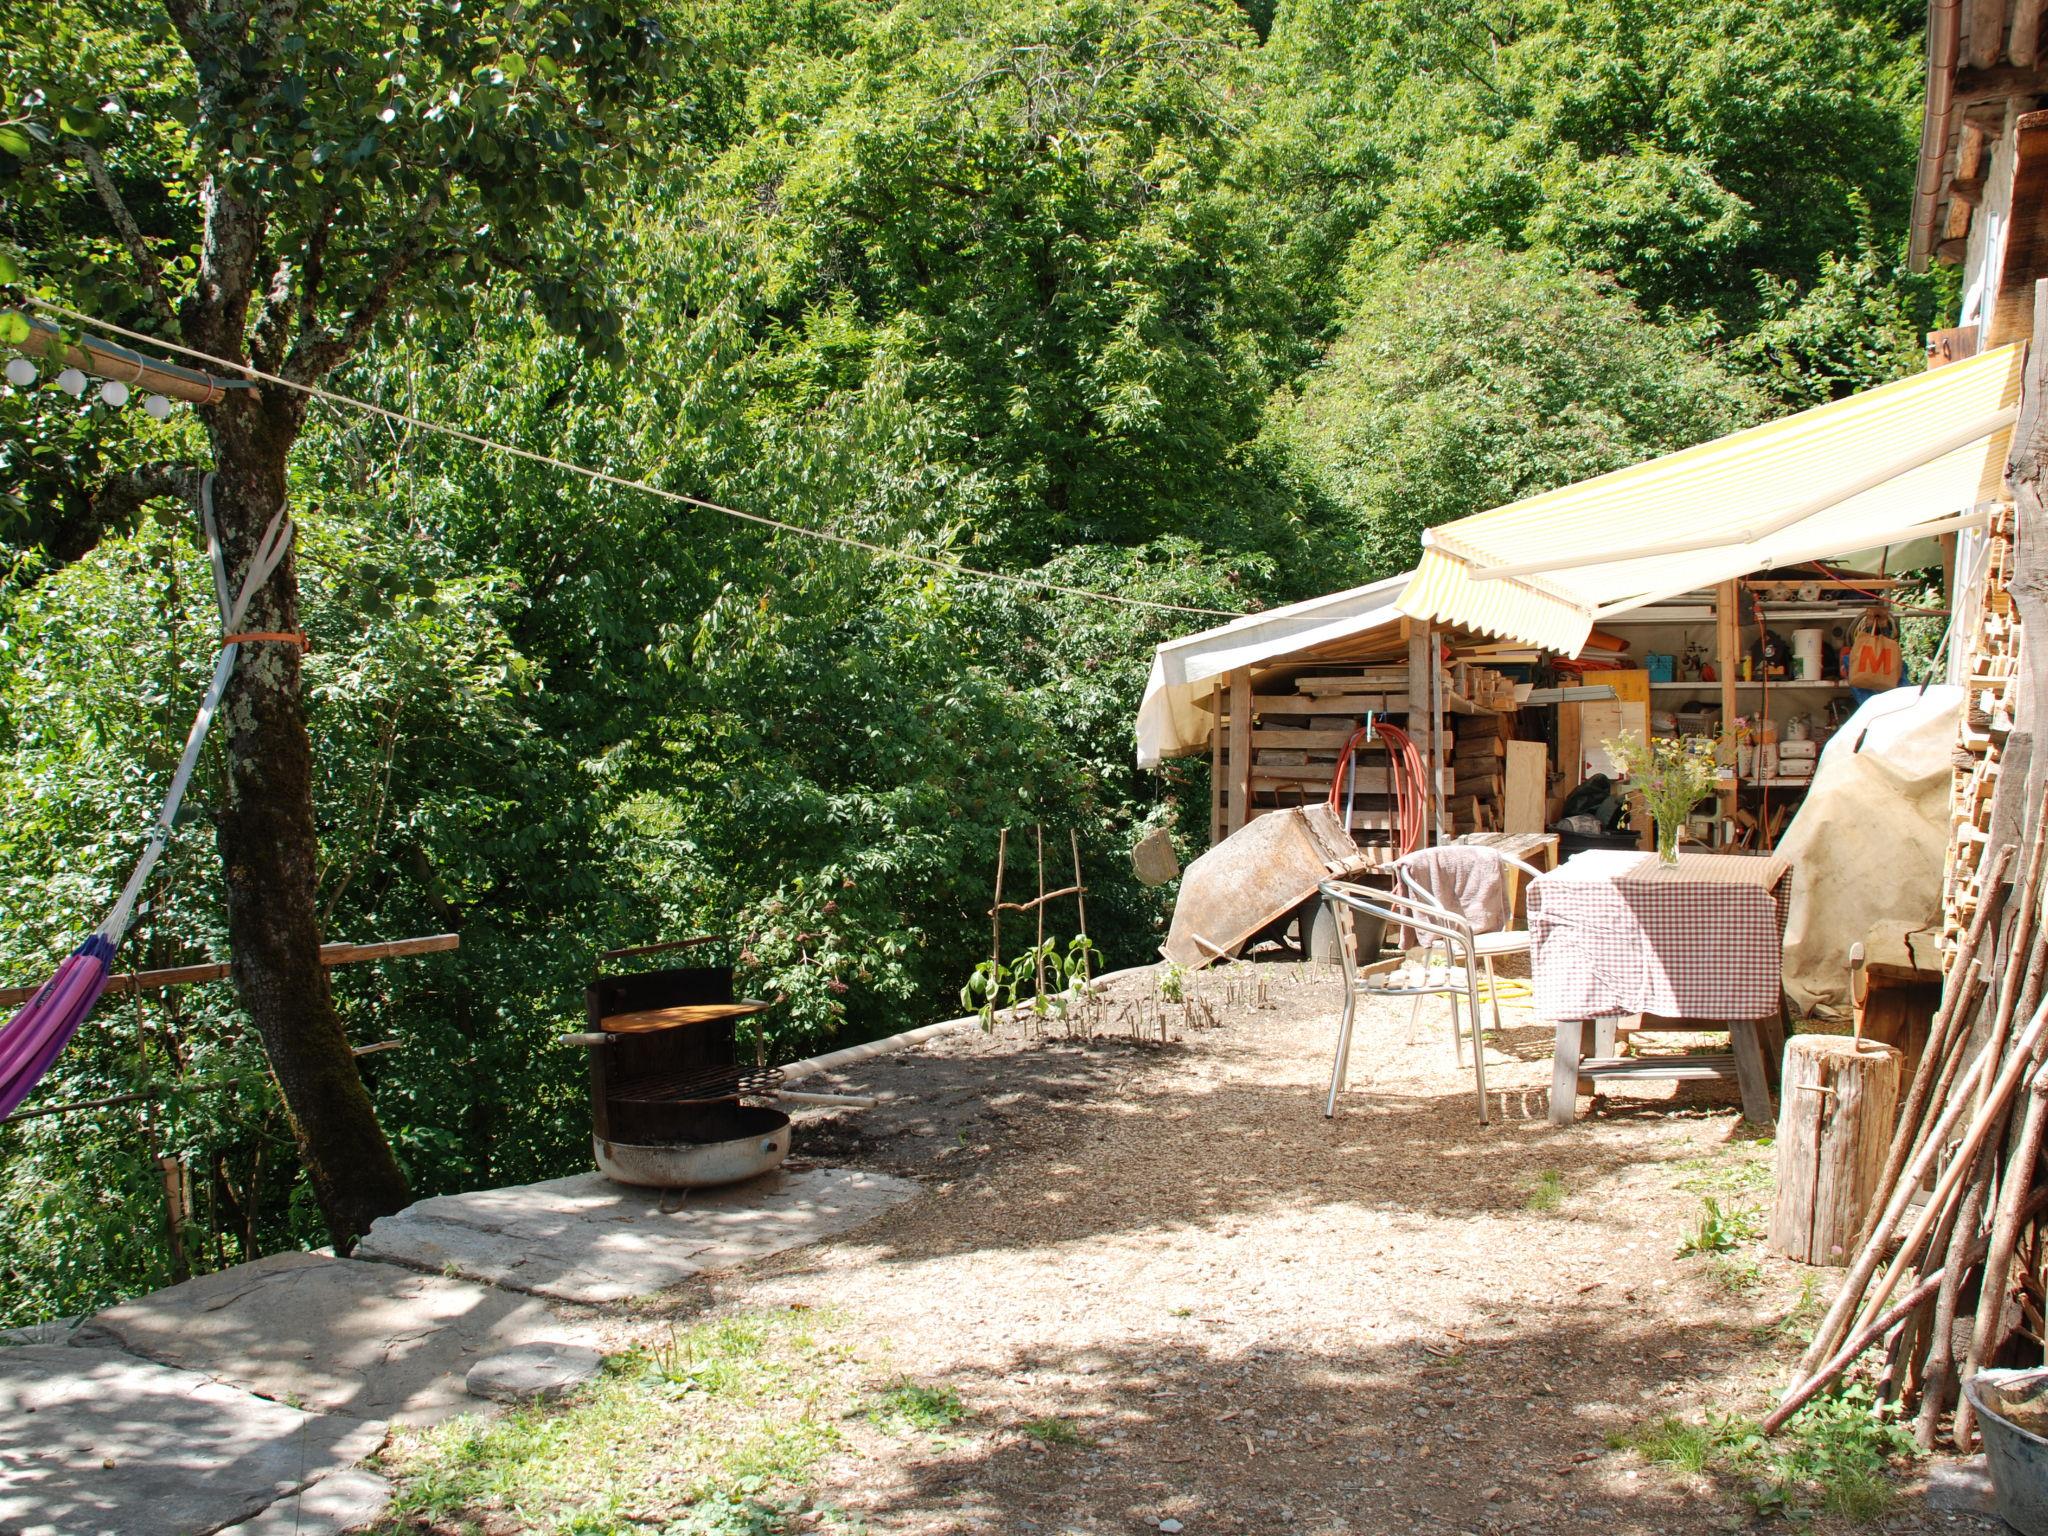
x=671, y=1105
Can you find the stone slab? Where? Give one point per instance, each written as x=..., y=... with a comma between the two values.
x=93, y=1441
x=533, y=1373
x=336, y=1335
x=587, y=1239
x=1960, y=1487
x=341, y=1502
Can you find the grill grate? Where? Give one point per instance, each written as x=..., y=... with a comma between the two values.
x=700, y=1085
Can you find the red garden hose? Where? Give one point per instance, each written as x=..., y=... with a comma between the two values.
x=1405, y=777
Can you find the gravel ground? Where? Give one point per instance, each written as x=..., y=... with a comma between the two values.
x=1259, y=1320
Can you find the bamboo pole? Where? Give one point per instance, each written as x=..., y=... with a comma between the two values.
x=190, y=975
x=1987, y=1331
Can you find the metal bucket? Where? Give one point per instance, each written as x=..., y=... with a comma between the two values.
x=2017, y=1457
x=698, y=1164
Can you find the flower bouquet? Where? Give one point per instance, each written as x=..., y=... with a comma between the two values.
x=1672, y=774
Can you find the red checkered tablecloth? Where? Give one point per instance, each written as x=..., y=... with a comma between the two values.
x=1617, y=932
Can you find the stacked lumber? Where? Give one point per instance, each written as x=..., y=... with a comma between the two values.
x=1299, y=730
x=1948, y=1284
x=1992, y=650
x=1483, y=686
x=1479, y=766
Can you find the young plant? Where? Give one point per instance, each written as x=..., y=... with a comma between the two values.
x=1719, y=1229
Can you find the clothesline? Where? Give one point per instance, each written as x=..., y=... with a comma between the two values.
x=624, y=482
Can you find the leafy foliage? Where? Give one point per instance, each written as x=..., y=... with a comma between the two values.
x=1176, y=300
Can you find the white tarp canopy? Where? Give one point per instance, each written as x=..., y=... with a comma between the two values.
x=1171, y=721
x=1921, y=456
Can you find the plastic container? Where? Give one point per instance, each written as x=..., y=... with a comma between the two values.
x=1662, y=668
x=1806, y=653
x=2017, y=1457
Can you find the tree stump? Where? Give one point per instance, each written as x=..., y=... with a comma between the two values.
x=1836, y=1106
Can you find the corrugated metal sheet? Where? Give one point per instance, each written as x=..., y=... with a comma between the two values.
x=1873, y=469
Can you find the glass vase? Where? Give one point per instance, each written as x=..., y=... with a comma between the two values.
x=1667, y=837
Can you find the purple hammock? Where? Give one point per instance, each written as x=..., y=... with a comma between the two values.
x=32, y=1040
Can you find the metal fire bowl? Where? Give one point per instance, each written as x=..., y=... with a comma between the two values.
x=697, y=1164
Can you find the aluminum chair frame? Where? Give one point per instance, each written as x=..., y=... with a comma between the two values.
x=1485, y=958
x=1343, y=898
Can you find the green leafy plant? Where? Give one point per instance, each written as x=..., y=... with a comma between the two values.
x=912, y=1406
x=1718, y=1228
x=1173, y=982
x=1051, y=1430
x=1547, y=1192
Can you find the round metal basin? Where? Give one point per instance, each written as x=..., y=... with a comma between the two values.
x=697, y=1164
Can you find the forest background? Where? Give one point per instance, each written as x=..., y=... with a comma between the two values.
x=1210, y=304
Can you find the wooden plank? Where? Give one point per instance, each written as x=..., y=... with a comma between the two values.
x=1239, y=749
x=2025, y=258
x=2024, y=46
x=193, y=975
x=1419, y=666
x=1323, y=704
x=1522, y=808
x=1308, y=740
x=1727, y=649
x=1951, y=346
x=1983, y=32
x=1218, y=815
x=651, y=1020
x=1564, y=1071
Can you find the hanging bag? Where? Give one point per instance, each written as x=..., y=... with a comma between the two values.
x=1874, y=660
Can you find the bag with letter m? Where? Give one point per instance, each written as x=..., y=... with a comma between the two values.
x=1874, y=661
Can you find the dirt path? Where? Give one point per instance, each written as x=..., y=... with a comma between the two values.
x=1251, y=1319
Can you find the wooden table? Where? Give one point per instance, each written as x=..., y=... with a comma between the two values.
x=1620, y=936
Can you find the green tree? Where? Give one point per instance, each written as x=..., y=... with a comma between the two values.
x=1482, y=377
x=275, y=181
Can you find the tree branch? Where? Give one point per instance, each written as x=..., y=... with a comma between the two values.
x=112, y=506
x=146, y=266
x=318, y=353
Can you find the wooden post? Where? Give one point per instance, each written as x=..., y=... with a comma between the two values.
x=1239, y=768
x=1727, y=651
x=1421, y=703
x=995, y=911
x=1218, y=816
x=1834, y=1124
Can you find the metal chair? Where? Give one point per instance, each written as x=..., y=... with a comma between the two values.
x=1504, y=941
x=1373, y=979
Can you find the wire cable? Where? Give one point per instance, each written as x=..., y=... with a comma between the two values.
x=623, y=482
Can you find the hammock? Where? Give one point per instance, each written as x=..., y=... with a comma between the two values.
x=33, y=1038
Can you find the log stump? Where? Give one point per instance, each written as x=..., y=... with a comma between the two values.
x=1836, y=1106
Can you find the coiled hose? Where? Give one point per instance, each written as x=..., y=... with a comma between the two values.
x=1405, y=776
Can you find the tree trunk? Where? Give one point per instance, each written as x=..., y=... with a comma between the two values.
x=1835, y=1118
x=269, y=848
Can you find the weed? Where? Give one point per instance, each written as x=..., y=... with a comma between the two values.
x=1173, y=982
x=1832, y=1457
x=1739, y=1274
x=1051, y=1430
x=1743, y=1170
x=914, y=1407
x=1547, y=1194
x=1720, y=1229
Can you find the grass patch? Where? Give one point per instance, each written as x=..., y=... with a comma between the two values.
x=906, y=1405
x=1741, y=1171
x=1719, y=1228
x=1051, y=1430
x=1833, y=1458
x=711, y=1431
x=1547, y=1193
x=1739, y=1274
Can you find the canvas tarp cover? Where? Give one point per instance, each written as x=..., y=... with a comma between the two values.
x=1867, y=846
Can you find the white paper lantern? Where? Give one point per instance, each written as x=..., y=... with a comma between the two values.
x=114, y=392
x=20, y=372
x=157, y=406
x=72, y=382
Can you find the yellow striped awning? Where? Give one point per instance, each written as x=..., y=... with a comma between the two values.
x=1924, y=455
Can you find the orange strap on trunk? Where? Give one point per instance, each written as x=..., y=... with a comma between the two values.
x=284, y=636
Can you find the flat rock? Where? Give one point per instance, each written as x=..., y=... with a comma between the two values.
x=346, y=1501
x=93, y=1440
x=587, y=1239
x=1960, y=1487
x=533, y=1372
x=334, y=1334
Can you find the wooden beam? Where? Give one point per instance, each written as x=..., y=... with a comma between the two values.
x=192, y=975
x=2026, y=238
x=2016, y=803
x=1421, y=675
x=1238, y=767
x=2024, y=46
x=1983, y=33
x=1997, y=83
x=1951, y=346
